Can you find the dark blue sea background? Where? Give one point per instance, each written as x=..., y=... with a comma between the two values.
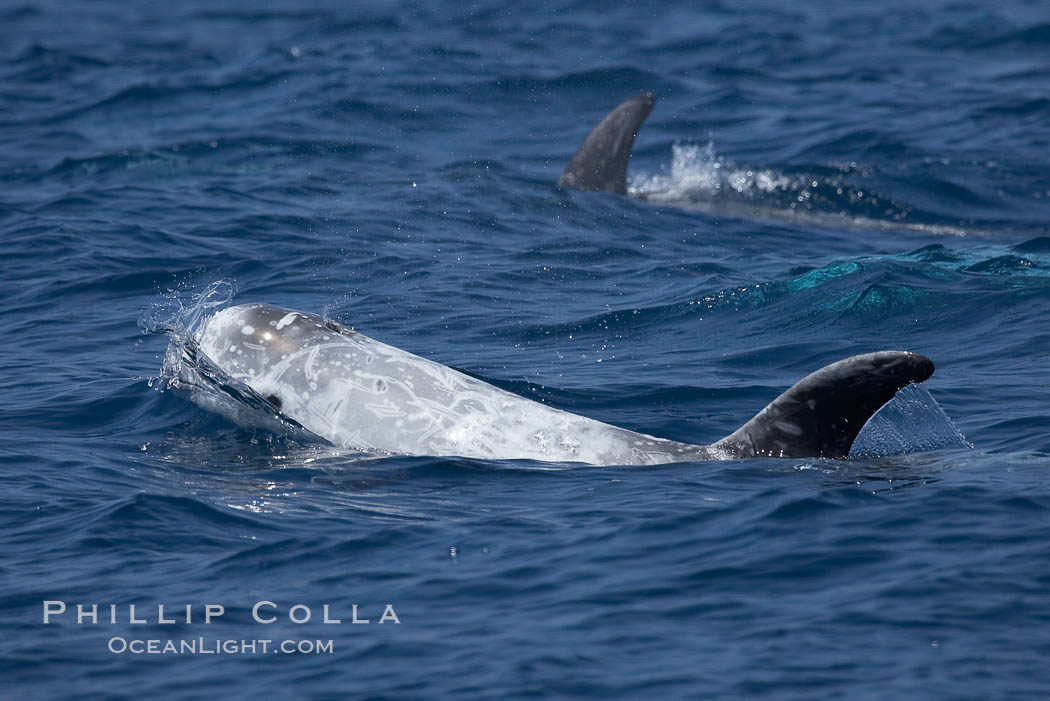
x=836, y=178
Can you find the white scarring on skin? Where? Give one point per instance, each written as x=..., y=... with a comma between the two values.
x=319, y=379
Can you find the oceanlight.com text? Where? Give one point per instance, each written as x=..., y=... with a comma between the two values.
x=218, y=646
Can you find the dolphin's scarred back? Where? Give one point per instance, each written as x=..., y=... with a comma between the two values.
x=359, y=393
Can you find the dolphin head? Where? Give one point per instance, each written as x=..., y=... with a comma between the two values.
x=258, y=345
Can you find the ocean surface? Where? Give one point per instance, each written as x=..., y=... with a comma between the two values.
x=816, y=180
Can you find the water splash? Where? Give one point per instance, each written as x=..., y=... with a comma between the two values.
x=698, y=170
x=188, y=371
x=174, y=316
x=181, y=320
x=701, y=180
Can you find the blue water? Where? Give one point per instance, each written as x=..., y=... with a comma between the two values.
x=843, y=178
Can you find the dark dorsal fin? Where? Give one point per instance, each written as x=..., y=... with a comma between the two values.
x=821, y=415
x=601, y=162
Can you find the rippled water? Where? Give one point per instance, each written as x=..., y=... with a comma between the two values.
x=813, y=182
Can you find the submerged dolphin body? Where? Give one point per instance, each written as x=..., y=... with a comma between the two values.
x=362, y=394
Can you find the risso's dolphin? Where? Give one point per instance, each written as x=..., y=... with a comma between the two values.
x=359, y=393
x=600, y=164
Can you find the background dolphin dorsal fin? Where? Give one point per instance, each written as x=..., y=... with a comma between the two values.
x=821, y=415
x=601, y=162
